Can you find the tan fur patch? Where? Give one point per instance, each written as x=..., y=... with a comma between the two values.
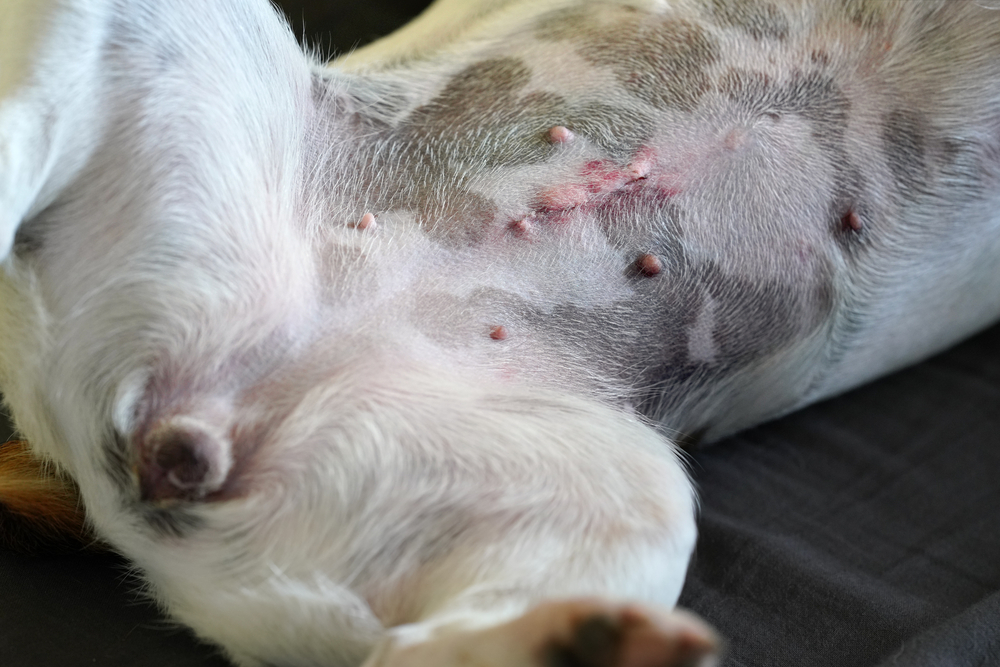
x=40, y=509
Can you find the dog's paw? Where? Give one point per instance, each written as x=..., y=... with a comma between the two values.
x=573, y=633
x=595, y=635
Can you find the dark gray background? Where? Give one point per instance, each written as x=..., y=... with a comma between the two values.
x=861, y=531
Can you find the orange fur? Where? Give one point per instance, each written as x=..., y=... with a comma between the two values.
x=40, y=508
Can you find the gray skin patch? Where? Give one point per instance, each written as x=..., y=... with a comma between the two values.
x=753, y=318
x=27, y=240
x=443, y=140
x=644, y=343
x=811, y=95
x=483, y=96
x=662, y=64
x=760, y=20
x=484, y=119
x=481, y=120
x=968, y=166
x=618, y=131
x=905, y=139
x=757, y=317
x=660, y=61
x=815, y=97
x=660, y=232
x=655, y=321
x=867, y=14
x=453, y=214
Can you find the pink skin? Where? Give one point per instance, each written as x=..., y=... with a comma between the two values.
x=642, y=163
x=498, y=332
x=603, y=177
x=649, y=265
x=563, y=197
x=367, y=221
x=522, y=227
x=560, y=135
x=599, y=183
x=669, y=184
x=851, y=221
x=598, y=179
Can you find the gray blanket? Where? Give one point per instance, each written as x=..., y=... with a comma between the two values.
x=864, y=530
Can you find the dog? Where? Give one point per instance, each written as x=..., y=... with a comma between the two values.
x=387, y=361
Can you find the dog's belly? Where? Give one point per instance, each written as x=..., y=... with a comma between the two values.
x=681, y=220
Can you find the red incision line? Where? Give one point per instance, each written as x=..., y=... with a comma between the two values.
x=598, y=180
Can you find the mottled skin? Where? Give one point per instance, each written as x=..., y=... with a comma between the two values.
x=360, y=363
x=763, y=153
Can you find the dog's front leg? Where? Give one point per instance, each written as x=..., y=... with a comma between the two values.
x=50, y=119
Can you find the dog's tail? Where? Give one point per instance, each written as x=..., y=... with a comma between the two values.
x=40, y=509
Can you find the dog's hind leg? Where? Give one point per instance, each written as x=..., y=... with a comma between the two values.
x=571, y=633
x=540, y=577
x=402, y=543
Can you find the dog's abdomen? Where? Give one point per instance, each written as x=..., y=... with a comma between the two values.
x=692, y=201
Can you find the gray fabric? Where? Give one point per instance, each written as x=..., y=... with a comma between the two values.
x=82, y=609
x=864, y=529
